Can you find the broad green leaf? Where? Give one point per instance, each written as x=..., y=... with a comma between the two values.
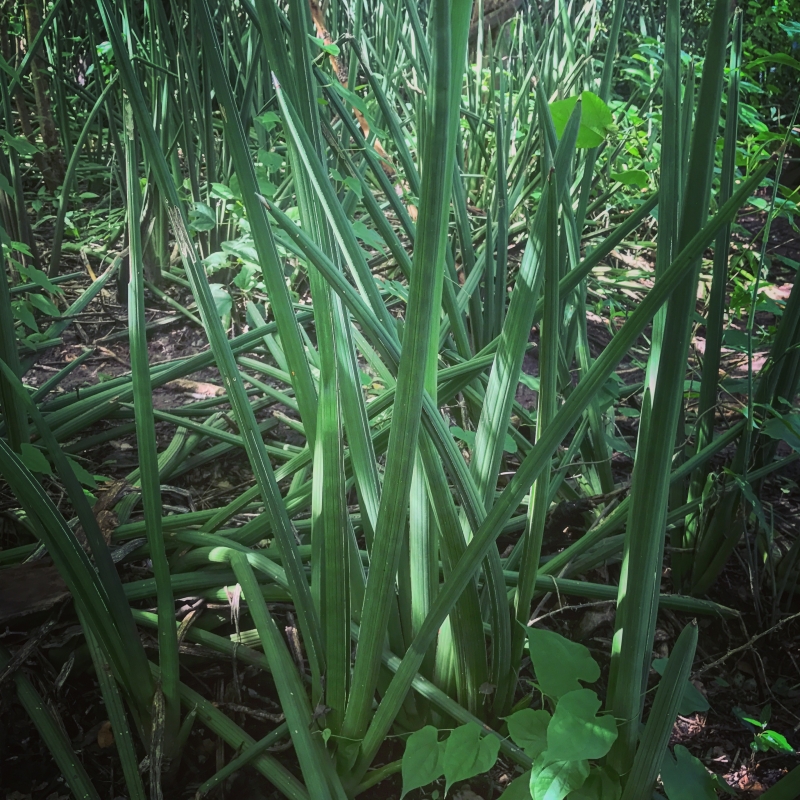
x=466, y=754
x=44, y=305
x=777, y=58
x=576, y=732
x=269, y=160
x=422, y=759
x=559, y=663
x=519, y=788
x=367, y=235
x=772, y=740
x=596, y=119
x=786, y=428
x=693, y=699
x=247, y=277
x=22, y=311
x=265, y=186
x=330, y=49
x=468, y=437
x=216, y=261
x=222, y=300
x=554, y=780
x=685, y=778
x=528, y=730
x=243, y=250
x=19, y=247
x=632, y=177
x=354, y=187
x=268, y=119
x=750, y=722
x=600, y=785
x=201, y=217
x=38, y=277
x=83, y=475
x=34, y=459
x=19, y=143
x=222, y=192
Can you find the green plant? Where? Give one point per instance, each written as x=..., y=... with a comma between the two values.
x=764, y=739
x=381, y=529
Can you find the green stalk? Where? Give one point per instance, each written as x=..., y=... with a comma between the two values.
x=651, y=750
x=291, y=692
x=641, y=572
x=13, y=410
x=549, y=345
x=418, y=331
x=112, y=699
x=706, y=410
x=148, y=449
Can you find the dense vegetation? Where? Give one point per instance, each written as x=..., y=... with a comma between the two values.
x=341, y=342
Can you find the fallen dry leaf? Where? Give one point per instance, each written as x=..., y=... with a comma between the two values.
x=105, y=736
x=195, y=388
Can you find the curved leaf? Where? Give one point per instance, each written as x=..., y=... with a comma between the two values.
x=576, y=732
x=559, y=663
x=467, y=754
x=422, y=759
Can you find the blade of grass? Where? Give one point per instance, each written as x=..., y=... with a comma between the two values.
x=641, y=572
x=147, y=447
x=651, y=750
x=417, y=336
x=293, y=698
x=549, y=344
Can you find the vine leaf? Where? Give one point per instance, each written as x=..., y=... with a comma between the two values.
x=466, y=754
x=554, y=780
x=518, y=789
x=559, y=663
x=576, y=732
x=600, y=785
x=685, y=776
x=528, y=730
x=422, y=759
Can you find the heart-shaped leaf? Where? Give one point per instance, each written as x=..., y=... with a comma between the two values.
x=596, y=119
x=576, y=732
x=554, y=780
x=528, y=730
x=600, y=785
x=222, y=301
x=422, y=759
x=518, y=789
x=684, y=777
x=467, y=754
x=201, y=217
x=559, y=663
x=632, y=177
x=35, y=460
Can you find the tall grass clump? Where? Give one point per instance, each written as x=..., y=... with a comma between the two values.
x=380, y=161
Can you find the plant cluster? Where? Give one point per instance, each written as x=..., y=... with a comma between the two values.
x=381, y=211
